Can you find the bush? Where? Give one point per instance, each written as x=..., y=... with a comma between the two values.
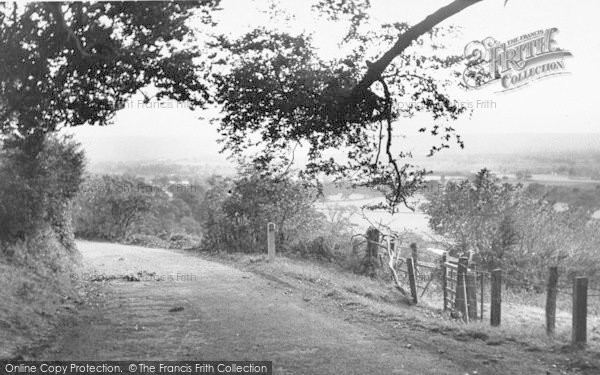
x=39, y=177
x=317, y=248
x=238, y=210
x=109, y=206
x=508, y=228
x=184, y=241
x=38, y=187
x=119, y=208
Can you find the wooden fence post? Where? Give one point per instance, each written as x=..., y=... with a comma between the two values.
x=461, y=297
x=579, y=333
x=496, y=298
x=415, y=257
x=271, y=241
x=369, y=265
x=445, y=281
x=551, y=300
x=482, y=287
x=471, y=286
x=411, y=279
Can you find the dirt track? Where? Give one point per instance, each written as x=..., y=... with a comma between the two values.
x=229, y=314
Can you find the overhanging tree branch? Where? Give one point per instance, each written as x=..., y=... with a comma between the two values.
x=376, y=69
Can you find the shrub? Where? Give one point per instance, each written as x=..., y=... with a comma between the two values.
x=184, y=241
x=38, y=187
x=238, y=210
x=508, y=228
x=119, y=208
x=109, y=206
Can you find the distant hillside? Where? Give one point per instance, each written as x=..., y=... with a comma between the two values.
x=550, y=143
x=566, y=154
x=149, y=169
x=575, y=154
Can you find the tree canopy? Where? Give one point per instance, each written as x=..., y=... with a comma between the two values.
x=277, y=92
x=67, y=64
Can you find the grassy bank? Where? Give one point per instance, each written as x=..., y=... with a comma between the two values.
x=37, y=293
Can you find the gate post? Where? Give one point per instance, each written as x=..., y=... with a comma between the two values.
x=551, y=300
x=411, y=279
x=445, y=281
x=415, y=257
x=461, y=297
x=579, y=333
x=471, y=285
x=496, y=298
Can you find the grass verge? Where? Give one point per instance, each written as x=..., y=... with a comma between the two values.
x=37, y=291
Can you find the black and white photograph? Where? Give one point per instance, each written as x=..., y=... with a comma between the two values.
x=300, y=187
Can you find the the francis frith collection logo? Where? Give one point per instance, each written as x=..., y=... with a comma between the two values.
x=514, y=63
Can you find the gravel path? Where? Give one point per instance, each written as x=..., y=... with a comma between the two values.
x=155, y=304
x=189, y=308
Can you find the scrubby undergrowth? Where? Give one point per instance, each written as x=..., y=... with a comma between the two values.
x=38, y=288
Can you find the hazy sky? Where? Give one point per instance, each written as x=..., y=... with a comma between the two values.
x=561, y=104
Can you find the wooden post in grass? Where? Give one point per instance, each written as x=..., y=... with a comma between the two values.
x=445, y=281
x=271, y=241
x=496, y=298
x=471, y=285
x=579, y=333
x=461, y=301
x=369, y=265
x=415, y=257
x=551, y=300
x=482, y=287
x=412, y=279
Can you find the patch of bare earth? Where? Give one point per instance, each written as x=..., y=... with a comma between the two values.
x=150, y=304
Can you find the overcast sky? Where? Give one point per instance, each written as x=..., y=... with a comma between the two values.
x=560, y=104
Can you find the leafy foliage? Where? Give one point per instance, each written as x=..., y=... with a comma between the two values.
x=277, y=92
x=354, y=11
x=37, y=191
x=238, y=211
x=109, y=206
x=76, y=63
x=67, y=64
x=508, y=228
x=122, y=208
